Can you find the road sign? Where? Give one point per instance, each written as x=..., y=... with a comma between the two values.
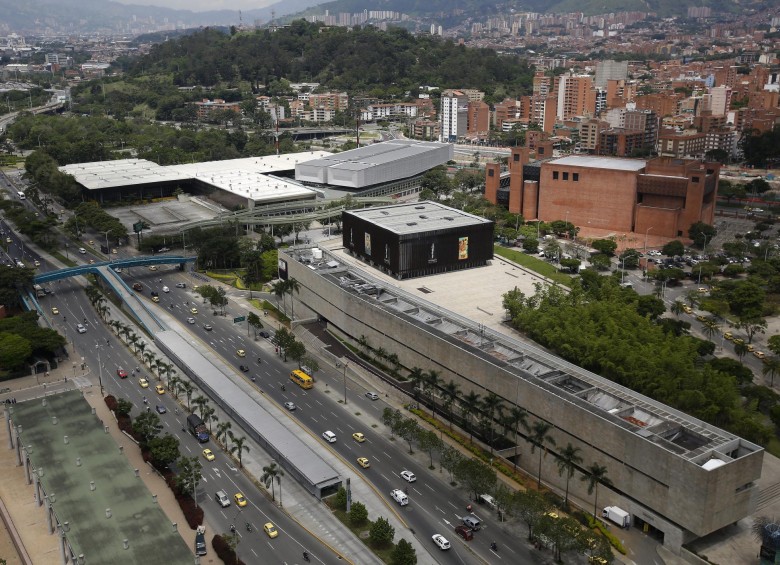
x=238, y=319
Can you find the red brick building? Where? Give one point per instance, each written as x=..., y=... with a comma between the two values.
x=622, y=195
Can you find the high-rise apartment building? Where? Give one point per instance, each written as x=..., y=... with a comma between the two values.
x=454, y=115
x=610, y=70
x=576, y=96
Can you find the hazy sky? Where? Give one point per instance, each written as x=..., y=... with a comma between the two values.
x=203, y=5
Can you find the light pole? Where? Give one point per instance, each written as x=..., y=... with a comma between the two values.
x=567, y=224
x=345, y=382
x=647, y=233
x=100, y=369
x=623, y=270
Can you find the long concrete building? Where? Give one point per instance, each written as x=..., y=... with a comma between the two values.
x=678, y=476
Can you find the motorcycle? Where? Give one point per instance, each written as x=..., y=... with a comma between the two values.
x=306, y=556
x=493, y=546
x=248, y=527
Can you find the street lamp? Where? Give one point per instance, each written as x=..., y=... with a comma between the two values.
x=647, y=233
x=100, y=370
x=345, y=382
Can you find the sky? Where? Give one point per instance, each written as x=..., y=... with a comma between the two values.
x=203, y=5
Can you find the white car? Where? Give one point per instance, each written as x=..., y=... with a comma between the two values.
x=190, y=320
x=441, y=541
x=166, y=289
x=408, y=476
x=222, y=498
x=400, y=497
x=329, y=436
x=82, y=250
x=181, y=285
x=81, y=329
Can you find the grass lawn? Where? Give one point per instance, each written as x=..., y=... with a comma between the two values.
x=537, y=265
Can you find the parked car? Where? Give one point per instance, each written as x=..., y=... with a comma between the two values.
x=464, y=532
x=372, y=395
x=138, y=286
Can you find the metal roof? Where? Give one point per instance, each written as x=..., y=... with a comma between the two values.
x=250, y=177
x=601, y=162
x=266, y=427
x=415, y=217
x=66, y=443
x=378, y=154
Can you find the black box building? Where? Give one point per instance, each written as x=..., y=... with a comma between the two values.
x=418, y=239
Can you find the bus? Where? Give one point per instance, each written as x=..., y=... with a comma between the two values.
x=301, y=379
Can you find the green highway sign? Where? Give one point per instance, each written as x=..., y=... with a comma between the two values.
x=238, y=319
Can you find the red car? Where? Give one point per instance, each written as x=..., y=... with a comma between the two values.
x=121, y=373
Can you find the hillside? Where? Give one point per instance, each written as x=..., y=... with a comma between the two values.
x=476, y=8
x=365, y=60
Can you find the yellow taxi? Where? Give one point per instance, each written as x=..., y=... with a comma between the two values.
x=270, y=530
x=687, y=309
x=241, y=353
x=143, y=383
x=55, y=310
x=193, y=310
x=155, y=299
x=209, y=455
x=240, y=499
x=358, y=437
x=363, y=462
x=160, y=389
x=728, y=335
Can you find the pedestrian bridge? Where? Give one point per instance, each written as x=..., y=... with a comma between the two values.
x=106, y=271
x=94, y=268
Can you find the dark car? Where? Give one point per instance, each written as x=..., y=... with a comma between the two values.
x=464, y=532
x=138, y=286
x=161, y=409
x=264, y=334
x=155, y=293
x=243, y=369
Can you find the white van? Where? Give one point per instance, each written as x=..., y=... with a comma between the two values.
x=329, y=436
x=82, y=250
x=22, y=196
x=400, y=497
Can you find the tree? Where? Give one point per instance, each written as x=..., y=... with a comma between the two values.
x=237, y=448
x=189, y=475
x=409, y=431
x=164, y=450
x=254, y=322
x=450, y=459
x=417, y=376
x=222, y=430
x=530, y=506
x=403, y=554
x=568, y=459
x=771, y=367
x=450, y=394
x=270, y=472
x=469, y=404
x=490, y=404
x=148, y=426
x=431, y=383
x=429, y=442
x=677, y=308
x=381, y=532
x=477, y=477
x=595, y=475
x=201, y=402
x=539, y=436
x=393, y=419
x=292, y=286
x=358, y=515
x=605, y=246
x=600, y=262
x=673, y=248
x=701, y=233
x=14, y=350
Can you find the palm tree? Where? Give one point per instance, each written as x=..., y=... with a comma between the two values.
x=363, y=343
x=201, y=402
x=741, y=349
x=431, y=383
x=270, y=472
x=222, y=430
x=677, y=307
x=208, y=416
x=149, y=357
x=517, y=417
x=710, y=326
x=134, y=339
x=595, y=475
x=539, y=436
x=771, y=367
x=490, y=404
x=141, y=347
x=238, y=447
x=174, y=385
x=292, y=286
x=126, y=331
x=567, y=463
x=416, y=375
x=450, y=393
x=468, y=405
x=171, y=376
x=187, y=389
x=279, y=288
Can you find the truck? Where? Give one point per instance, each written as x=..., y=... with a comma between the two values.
x=617, y=515
x=200, y=540
x=197, y=428
x=39, y=291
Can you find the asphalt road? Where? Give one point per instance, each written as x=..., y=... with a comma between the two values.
x=435, y=506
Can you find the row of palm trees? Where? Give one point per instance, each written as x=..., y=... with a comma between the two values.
x=282, y=288
x=174, y=384
x=490, y=410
